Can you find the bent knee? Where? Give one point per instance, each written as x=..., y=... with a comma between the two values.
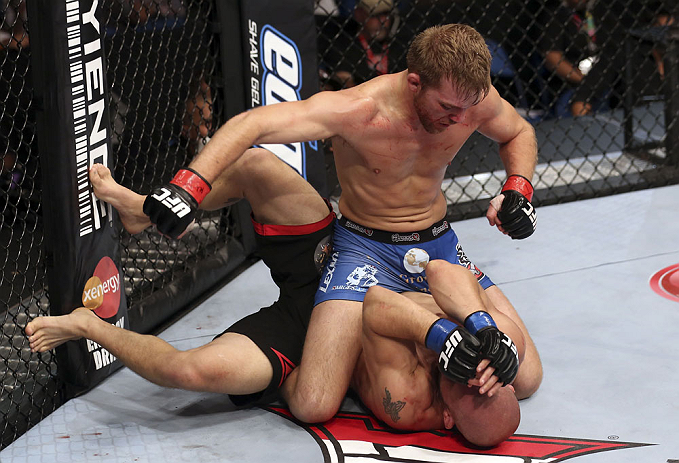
x=247, y=166
x=444, y=271
x=254, y=159
x=375, y=295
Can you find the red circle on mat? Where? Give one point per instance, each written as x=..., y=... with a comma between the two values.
x=102, y=291
x=666, y=282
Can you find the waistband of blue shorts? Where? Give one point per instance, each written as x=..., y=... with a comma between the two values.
x=429, y=234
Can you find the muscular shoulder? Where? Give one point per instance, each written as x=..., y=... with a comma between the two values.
x=498, y=120
x=347, y=103
x=322, y=115
x=406, y=402
x=489, y=108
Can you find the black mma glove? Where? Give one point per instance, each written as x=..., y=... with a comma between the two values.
x=172, y=207
x=495, y=346
x=517, y=213
x=459, y=351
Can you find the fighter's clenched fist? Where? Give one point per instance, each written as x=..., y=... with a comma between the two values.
x=515, y=213
x=495, y=346
x=459, y=351
x=172, y=207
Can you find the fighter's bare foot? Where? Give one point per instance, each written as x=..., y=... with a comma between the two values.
x=128, y=203
x=45, y=333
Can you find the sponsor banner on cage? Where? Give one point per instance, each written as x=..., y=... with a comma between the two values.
x=280, y=65
x=91, y=125
x=82, y=244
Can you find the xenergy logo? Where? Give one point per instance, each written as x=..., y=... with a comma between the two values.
x=102, y=290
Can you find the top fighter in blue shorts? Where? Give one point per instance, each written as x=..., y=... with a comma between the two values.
x=393, y=138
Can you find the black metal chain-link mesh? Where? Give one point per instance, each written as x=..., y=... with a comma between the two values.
x=606, y=62
x=163, y=70
x=22, y=292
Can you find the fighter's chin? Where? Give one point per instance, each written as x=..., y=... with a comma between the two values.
x=432, y=129
x=437, y=127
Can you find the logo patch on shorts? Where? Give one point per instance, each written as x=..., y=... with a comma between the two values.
x=415, y=260
x=323, y=250
x=329, y=272
x=360, y=279
x=440, y=229
x=363, y=276
x=358, y=228
x=398, y=237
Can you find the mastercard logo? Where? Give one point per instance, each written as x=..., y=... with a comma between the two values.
x=102, y=290
x=666, y=282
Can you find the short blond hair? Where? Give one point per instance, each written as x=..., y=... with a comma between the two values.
x=454, y=51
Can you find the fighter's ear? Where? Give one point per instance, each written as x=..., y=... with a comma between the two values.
x=448, y=421
x=414, y=82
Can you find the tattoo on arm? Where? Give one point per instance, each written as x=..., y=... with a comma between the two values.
x=392, y=408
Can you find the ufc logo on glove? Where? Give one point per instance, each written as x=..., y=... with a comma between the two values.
x=176, y=204
x=451, y=344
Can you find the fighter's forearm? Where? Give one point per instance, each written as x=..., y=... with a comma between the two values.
x=519, y=155
x=286, y=122
x=392, y=315
x=227, y=145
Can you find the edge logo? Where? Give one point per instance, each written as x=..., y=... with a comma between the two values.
x=353, y=437
x=102, y=291
x=666, y=282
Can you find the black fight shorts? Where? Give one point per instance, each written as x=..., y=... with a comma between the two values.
x=279, y=331
x=295, y=254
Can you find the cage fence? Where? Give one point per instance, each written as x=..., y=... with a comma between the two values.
x=598, y=81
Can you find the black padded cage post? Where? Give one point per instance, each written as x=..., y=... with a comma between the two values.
x=165, y=98
x=231, y=45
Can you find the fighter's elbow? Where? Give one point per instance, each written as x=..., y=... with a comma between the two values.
x=249, y=125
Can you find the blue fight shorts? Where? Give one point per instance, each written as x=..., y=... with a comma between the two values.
x=363, y=257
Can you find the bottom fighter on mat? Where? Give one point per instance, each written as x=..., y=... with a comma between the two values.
x=417, y=371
